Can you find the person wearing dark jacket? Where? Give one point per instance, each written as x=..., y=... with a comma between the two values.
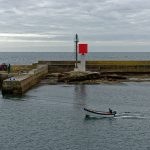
x=110, y=110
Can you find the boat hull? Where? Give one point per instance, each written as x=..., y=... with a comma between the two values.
x=92, y=113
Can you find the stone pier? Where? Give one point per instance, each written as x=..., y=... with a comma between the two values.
x=26, y=76
x=102, y=66
x=19, y=84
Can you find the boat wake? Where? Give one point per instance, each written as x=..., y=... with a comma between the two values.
x=129, y=115
x=125, y=115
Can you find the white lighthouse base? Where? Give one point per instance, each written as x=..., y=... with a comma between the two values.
x=82, y=65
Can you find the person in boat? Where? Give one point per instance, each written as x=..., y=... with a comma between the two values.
x=110, y=110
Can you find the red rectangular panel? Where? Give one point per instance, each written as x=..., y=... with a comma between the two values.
x=83, y=49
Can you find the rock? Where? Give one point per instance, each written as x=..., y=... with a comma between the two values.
x=113, y=77
x=86, y=77
x=54, y=75
x=53, y=80
x=75, y=76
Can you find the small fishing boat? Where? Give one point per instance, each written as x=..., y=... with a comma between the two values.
x=94, y=113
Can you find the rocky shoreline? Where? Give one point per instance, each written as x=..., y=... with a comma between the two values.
x=78, y=77
x=87, y=77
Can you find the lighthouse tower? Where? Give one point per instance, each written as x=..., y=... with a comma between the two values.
x=83, y=50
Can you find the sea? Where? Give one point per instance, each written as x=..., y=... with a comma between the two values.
x=51, y=117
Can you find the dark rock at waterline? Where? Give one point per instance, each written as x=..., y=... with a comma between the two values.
x=75, y=76
x=113, y=77
x=82, y=77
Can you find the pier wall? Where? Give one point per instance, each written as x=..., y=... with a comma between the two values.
x=22, y=68
x=101, y=66
x=3, y=76
x=15, y=70
x=21, y=83
x=32, y=74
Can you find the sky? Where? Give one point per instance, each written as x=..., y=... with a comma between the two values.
x=50, y=25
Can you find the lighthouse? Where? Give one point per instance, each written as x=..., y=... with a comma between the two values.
x=82, y=50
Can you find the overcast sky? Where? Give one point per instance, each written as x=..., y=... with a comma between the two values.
x=50, y=25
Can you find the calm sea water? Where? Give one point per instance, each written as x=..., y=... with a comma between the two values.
x=32, y=57
x=51, y=117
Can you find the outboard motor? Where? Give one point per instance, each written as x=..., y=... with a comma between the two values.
x=114, y=112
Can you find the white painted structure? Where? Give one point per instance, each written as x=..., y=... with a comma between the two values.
x=83, y=50
x=82, y=65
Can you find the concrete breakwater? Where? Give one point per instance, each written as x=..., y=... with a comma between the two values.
x=26, y=76
x=20, y=83
x=118, y=67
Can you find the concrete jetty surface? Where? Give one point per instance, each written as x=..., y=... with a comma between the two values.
x=19, y=84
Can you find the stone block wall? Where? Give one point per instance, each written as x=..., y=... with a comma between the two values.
x=20, y=84
x=101, y=66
